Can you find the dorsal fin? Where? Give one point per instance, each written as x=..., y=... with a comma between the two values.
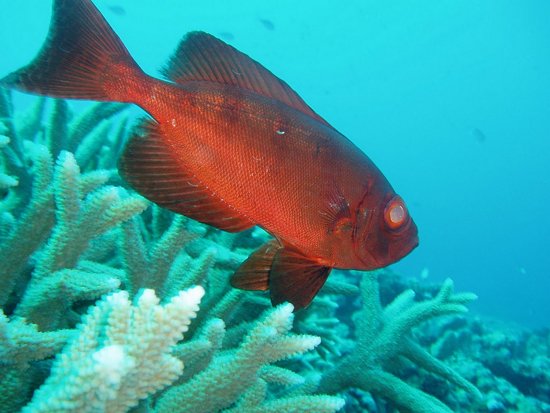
x=150, y=168
x=201, y=56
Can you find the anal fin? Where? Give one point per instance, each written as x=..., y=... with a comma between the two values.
x=150, y=167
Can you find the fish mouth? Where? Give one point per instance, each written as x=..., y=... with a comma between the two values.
x=391, y=255
x=400, y=251
x=408, y=247
x=414, y=243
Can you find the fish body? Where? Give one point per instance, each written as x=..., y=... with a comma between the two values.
x=231, y=145
x=264, y=146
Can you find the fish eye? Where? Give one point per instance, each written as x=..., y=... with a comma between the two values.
x=396, y=214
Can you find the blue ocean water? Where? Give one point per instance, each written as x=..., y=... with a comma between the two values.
x=450, y=99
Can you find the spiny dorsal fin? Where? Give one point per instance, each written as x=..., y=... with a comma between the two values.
x=150, y=168
x=201, y=56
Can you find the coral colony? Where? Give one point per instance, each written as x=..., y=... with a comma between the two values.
x=99, y=288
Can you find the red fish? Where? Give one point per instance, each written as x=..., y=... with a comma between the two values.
x=231, y=145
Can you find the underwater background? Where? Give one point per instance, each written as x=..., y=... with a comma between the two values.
x=450, y=99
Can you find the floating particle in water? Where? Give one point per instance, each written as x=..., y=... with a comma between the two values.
x=478, y=135
x=268, y=24
x=425, y=273
x=227, y=36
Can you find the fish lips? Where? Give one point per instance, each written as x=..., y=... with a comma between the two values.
x=388, y=248
x=404, y=245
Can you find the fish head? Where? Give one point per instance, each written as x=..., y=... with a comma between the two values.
x=385, y=231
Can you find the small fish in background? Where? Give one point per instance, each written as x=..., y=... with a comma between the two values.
x=227, y=36
x=478, y=135
x=118, y=10
x=229, y=144
x=268, y=24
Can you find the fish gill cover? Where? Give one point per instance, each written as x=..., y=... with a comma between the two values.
x=70, y=233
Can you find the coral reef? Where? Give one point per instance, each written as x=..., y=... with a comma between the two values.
x=97, y=288
x=74, y=234
x=383, y=342
x=120, y=355
x=508, y=364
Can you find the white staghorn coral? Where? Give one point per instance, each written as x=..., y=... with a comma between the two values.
x=238, y=379
x=120, y=356
x=55, y=285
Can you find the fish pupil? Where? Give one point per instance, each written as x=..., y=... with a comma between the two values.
x=397, y=214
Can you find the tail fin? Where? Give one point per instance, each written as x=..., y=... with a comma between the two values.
x=82, y=58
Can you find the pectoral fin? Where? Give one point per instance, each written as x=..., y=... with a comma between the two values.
x=149, y=165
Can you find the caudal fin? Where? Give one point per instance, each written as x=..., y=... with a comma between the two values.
x=82, y=58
